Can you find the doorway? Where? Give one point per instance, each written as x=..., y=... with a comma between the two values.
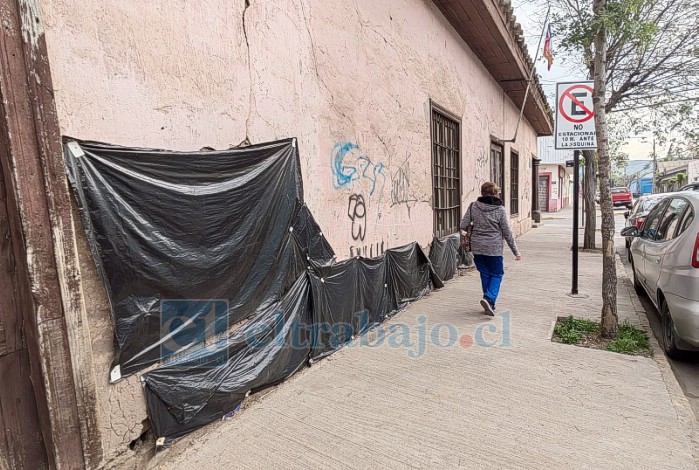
x=544, y=193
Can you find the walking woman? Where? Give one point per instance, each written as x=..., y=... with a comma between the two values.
x=490, y=227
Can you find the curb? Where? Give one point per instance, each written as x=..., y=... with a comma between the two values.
x=552, y=330
x=684, y=412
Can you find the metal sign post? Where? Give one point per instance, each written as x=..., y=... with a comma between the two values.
x=575, y=129
x=576, y=204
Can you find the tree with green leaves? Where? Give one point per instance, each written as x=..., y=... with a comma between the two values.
x=642, y=55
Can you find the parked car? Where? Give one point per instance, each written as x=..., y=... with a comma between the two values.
x=622, y=197
x=665, y=262
x=690, y=187
x=637, y=215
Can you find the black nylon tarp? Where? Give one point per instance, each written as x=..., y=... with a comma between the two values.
x=226, y=227
x=351, y=297
x=447, y=256
x=348, y=299
x=184, y=225
x=185, y=395
x=410, y=271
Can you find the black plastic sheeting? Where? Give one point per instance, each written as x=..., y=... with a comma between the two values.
x=352, y=296
x=229, y=225
x=182, y=397
x=188, y=225
x=448, y=257
x=325, y=309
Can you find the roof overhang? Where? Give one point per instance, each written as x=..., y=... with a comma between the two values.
x=490, y=30
x=669, y=174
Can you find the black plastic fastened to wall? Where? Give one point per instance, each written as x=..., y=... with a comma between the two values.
x=227, y=228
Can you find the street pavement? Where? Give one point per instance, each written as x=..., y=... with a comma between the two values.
x=484, y=392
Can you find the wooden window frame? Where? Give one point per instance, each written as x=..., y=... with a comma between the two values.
x=497, y=148
x=514, y=182
x=446, y=165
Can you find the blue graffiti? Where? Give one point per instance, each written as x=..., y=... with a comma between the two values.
x=376, y=171
x=343, y=174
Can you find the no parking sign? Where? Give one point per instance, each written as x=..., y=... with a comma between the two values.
x=575, y=117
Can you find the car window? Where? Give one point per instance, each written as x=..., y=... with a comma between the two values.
x=641, y=205
x=650, y=226
x=671, y=219
x=648, y=204
x=637, y=207
x=620, y=190
x=686, y=221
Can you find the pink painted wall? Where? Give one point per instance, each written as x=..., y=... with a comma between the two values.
x=184, y=75
x=167, y=75
x=562, y=186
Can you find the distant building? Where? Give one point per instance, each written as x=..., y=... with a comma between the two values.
x=555, y=185
x=674, y=174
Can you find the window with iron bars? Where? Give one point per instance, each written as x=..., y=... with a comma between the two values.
x=514, y=183
x=446, y=173
x=497, y=167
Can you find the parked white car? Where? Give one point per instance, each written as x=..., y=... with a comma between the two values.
x=665, y=261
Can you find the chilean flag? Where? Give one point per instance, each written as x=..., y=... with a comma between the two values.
x=547, y=47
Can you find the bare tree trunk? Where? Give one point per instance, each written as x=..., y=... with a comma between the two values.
x=609, y=281
x=589, y=190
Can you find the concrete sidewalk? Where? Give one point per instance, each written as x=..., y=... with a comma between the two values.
x=523, y=402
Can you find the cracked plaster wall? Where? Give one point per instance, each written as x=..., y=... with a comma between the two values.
x=351, y=79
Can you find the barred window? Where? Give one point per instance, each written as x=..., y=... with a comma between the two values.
x=514, y=183
x=446, y=173
x=497, y=167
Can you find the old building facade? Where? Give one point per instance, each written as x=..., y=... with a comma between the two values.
x=401, y=110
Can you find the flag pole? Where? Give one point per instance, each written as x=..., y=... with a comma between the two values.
x=531, y=75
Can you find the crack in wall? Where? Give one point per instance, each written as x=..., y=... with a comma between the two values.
x=306, y=21
x=313, y=48
x=251, y=106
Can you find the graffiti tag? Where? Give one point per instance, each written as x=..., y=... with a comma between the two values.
x=526, y=194
x=356, y=211
x=482, y=164
x=400, y=191
x=362, y=169
x=375, y=249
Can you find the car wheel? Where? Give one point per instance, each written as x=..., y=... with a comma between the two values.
x=636, y=284
x=669, y=335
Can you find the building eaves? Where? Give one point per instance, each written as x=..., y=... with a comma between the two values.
x=673, y=166
x=490, y=29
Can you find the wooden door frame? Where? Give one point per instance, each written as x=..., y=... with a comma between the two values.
x=548, y=176
x=536, y=210
x=21, y=444
x=48, y=291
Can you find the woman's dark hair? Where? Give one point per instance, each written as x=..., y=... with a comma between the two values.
x=490, y=189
